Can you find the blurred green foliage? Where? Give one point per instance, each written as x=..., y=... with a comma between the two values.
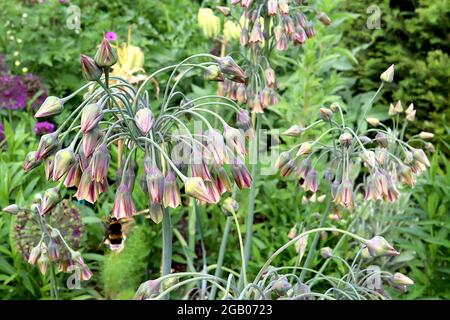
x=413, y=35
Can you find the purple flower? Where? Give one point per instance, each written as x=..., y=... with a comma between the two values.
x=2, y=132
x=44, y=127
x=33, y=85
x=13, y=93
x=111, y=36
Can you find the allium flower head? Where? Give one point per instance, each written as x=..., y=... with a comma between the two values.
x=34, y=85
x=13, y=93
x=44, y=127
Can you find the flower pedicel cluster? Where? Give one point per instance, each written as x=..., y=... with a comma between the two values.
x=267, y=25
x=120, y=113
x=50, y=239
x=390, y=161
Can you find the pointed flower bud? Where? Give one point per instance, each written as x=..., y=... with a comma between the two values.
x=64, y=158
x=420, y=156
x=305, y=148
x=12, y=209
x=373, y=121
x=288, y=168
x=195, y=187
x=345, y=139
x=91, y=71
x=100, y=163
x=231, y=70
x=106, y=56
x=322, y=16
x=224, y=10
x=230, y=206
x=398, y=107
x=30, y=161
x=378, y=246
x=326, y=114
x=144, y=120
x=382, y=139
x=388, y=75
x=50, y=199
x=212, y=73
x=326, y=252
x=47, y=144
x=51, y=106
x=282, y=159
x=426, y=135
x=294, y=131
x=90, y=116
x=410, y=113
x=401, y=280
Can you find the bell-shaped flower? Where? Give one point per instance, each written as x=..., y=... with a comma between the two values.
x=172, y=196
x=100, y=163
x=155, y=184
x=64, y=158
x=235, y=140
x=222, y=180
x=344, y=195
x=241, y=174
x=215, y=144
x=123, y=204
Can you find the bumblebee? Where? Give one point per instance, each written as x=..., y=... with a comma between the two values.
x=115, y=237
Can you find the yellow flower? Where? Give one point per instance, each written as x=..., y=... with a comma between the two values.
x=208, y=22
x=130, y=62
x=231, y=31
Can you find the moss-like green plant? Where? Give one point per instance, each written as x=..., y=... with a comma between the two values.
x=121, y=273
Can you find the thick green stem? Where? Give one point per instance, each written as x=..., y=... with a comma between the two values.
x=192, y=223
x=166, y=264
x=223, y=246
x=251, y=205
x=313, y=248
